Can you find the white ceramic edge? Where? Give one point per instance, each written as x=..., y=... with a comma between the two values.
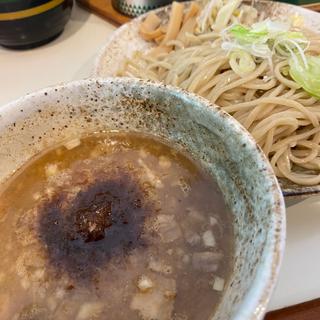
x=255, y=303
x=263, y=276
x=102, y=50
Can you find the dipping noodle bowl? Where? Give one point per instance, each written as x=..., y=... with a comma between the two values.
x=122, y=199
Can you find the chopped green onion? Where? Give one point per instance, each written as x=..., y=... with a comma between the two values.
x=245, y=35
x=266, y=39
x=241, y=62
x=308, y=76
x=217, y=14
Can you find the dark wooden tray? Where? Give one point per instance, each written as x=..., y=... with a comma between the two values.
x=305, y=311
x=104, y=9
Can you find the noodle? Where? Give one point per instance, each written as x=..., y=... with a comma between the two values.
x=277, y=111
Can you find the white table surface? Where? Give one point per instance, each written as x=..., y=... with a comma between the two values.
x=71, y=57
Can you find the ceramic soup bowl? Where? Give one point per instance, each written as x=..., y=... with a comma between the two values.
x=213, y=138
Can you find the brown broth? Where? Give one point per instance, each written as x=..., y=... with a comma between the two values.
x=121, y=226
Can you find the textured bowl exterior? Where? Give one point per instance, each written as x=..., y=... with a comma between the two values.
x=211, y=136
x=126, y=40
x=30, y=23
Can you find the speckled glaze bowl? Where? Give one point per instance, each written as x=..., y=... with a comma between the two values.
x=212, y=137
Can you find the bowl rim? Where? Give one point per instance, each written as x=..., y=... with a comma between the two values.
x=254, y=305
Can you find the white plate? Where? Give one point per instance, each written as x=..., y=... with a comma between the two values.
x=126, y=40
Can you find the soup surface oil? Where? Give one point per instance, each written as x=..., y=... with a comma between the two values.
x=113, y=226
